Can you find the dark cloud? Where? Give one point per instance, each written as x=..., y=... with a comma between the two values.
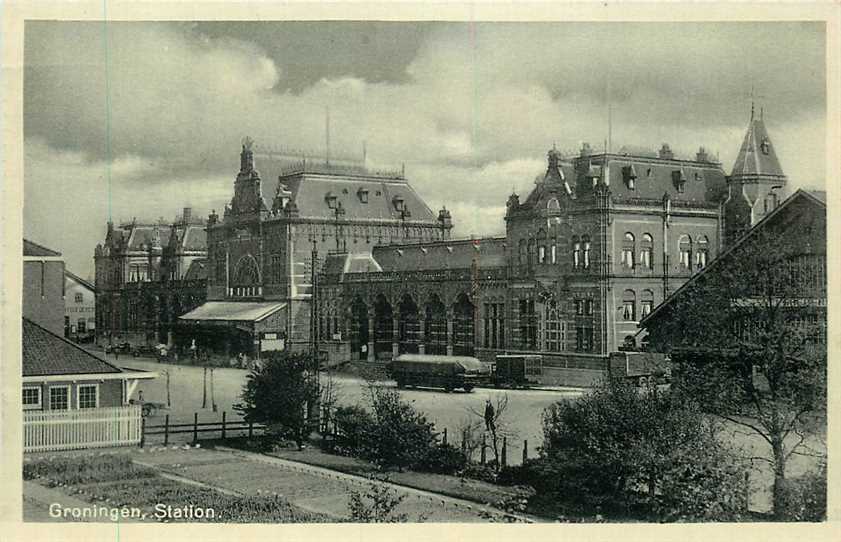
x=154, y=112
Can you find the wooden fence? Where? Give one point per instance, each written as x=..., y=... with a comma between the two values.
x=223, y=429
x=75, y=429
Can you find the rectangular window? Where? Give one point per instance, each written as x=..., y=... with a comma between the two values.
x=701, y=259
x=645, y=258
x=584, y=339
x=554, y=254
x=528, y=324
x=628, y=311
x=588, y=307
x=60, y=398
x=541, y=254
x=31, y=398
x=628, y=258
x=646, y=308
x=685, y=259
x=579, y=307
x=88, y=396
x=78, y=297
x=80, y=325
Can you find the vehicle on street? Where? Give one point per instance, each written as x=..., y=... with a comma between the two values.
x=448, y=372
x=517, y=370
x=644, y=368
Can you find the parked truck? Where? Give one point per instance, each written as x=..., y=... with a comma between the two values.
x=516, y=370
x=448, y=372
x=644, y=368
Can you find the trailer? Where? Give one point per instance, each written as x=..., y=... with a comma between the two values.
x=448, y=372
x=516, y=370
x=643, y=368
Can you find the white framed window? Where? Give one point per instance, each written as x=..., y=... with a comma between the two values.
x=87, y=396
x=31, y=398
x=78, y=297
x=59, y=397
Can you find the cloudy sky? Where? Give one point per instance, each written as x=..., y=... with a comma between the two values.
x=141, y=119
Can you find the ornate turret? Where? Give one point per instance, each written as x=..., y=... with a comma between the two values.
x=757, y=183
x=248, y=194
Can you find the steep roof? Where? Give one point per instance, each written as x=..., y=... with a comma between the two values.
x=362, y=197
x=448, y=254
x=712, y=268
x=757, y=155
x=46, y=354
x=30, y=248
x=141, y=234
x=197, y=270
x=76, y=278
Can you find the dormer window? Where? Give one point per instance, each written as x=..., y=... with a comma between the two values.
x=679, y=180
x=362, y=194
x=399, y=204
x=629, y=176
x=698, y=176
x=765, y=146
x=330, y=198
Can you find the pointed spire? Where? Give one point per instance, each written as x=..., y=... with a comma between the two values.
x=757, y=156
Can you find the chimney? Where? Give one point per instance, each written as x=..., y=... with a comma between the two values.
x=666, y=152
x=585, y=149
x=702, y=155
x=188, y=212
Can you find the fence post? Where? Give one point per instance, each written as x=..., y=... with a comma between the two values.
x=195, y=427
x=504, y=451
x=525, y=451
x=484, y=455
x=250, y=429
x=223, y=424
x=142, y=431
x=166, y=430
x=445, y=436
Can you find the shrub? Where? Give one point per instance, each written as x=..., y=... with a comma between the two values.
x=804, y=497
x=477, y=471
x=377, y=504
x=400, y=436
x=444, y=459
x=353, y=426
x=85, y=469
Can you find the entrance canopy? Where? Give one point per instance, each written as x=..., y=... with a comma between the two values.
x=233, y=311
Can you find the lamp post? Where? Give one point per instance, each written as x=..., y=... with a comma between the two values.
x=315, y=410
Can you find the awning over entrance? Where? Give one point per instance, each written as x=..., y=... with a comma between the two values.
x=233, y=311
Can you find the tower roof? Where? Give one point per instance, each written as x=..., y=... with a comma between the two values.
x=757, y=157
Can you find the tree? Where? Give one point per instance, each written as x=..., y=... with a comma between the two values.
x=748, y=340
x=496, y=425
x=619, y=449
x=277, y=393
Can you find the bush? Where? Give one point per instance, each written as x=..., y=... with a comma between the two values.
x=85, y=469
x=353, y=427
x=400, y=436
x=444, y=459
x=378, y=504
x=477, y=471
x=804, y=498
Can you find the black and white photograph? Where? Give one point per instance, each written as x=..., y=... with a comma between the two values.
x=311, y=271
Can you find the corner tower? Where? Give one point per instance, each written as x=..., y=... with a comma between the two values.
x=757, y=183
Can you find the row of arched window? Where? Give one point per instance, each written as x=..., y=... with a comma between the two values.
x=691, y=255
x=539, y=251
x=629, y=305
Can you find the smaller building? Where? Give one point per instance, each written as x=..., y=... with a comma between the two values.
x=43, y=286
x=79, y=308
x=60, y=375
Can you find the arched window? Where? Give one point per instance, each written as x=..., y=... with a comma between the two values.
x=531, y=252
x=685, y=248
x=585, y=240
x=628, y=250
x=646, y=250
x=576, y=252
x=702, y=252
x=553, y=251
x=246, y=279
x=629, y=302
x=646, y=303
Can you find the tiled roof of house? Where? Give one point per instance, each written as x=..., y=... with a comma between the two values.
x=197, y=270
x=46, y=354
x=31, y=248
x=448, y=254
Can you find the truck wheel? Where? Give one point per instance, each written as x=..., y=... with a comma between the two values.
x=642, y=382
x=401, y=384
x=448, y=388
x=468, y=388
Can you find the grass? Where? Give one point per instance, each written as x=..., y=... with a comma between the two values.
x=115, y=480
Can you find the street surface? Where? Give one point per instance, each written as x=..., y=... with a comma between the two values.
x=446, y=410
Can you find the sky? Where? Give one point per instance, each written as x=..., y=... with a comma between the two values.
x=140, y=119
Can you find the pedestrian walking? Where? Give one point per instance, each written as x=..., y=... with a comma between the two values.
x=490, y=414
